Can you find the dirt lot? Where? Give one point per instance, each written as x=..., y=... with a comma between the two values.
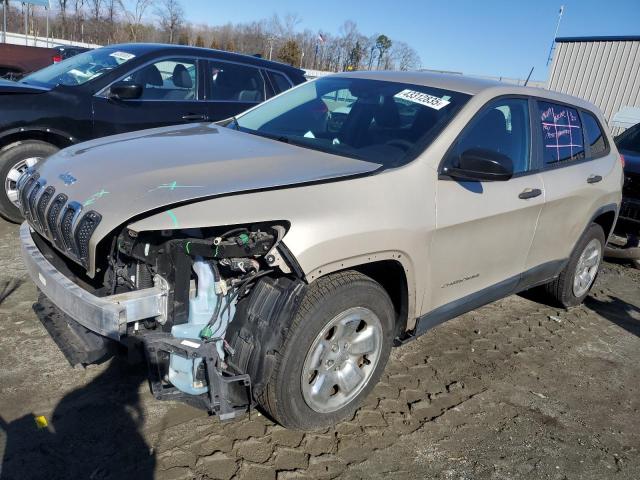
x=513, y=390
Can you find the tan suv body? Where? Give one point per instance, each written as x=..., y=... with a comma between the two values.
x=387, y=203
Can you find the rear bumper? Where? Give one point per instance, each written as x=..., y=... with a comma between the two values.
x=106, y=316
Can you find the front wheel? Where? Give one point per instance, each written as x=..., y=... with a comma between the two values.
x=15, y=159
x=335, y=352
x=574, y=282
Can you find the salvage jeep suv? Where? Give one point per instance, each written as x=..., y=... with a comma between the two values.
x=275, y=258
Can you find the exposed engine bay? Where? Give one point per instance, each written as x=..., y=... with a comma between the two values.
x=229, y=293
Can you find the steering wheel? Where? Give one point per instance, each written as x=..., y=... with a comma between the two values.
x=403, y=144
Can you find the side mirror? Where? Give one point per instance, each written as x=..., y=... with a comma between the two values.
x=125, y=91
x=478, y=164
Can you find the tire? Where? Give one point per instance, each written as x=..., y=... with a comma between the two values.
x=349, y=296
x=15, y=155
x=562, y=290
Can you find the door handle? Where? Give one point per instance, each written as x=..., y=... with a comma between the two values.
x=193, y=117
x=530, y=193
x=594, y=179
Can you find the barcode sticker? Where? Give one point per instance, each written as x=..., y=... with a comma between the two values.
x=422, y=98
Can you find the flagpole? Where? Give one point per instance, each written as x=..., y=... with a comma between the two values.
x=553, y=42
x=315, y=58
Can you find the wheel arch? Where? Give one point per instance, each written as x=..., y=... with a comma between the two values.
x=607, y=221
x=392, y=271
x=606, y=217
x=55, y=137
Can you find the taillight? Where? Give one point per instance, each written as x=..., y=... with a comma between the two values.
x=57, y=58
x=622, y=160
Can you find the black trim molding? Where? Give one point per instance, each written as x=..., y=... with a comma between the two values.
x=536, y=276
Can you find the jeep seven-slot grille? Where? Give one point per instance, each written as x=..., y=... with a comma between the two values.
x=31, y=202
x=84, y=230
x=41, y=208
x=52, y=218
x=24, y=195
x=56, y=218
x=66, y=226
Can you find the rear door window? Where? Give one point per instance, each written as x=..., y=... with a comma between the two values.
x=562, y=136
x=235, y=82
x=279, y=82
x=594, y=135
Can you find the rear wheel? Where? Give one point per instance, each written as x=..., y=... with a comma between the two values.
x=335, y=352
x=574, y=282
x=15, y=159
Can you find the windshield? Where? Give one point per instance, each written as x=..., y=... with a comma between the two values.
x=79, y=69
x=373, y=120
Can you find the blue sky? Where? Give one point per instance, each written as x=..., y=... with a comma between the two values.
x=476, y=37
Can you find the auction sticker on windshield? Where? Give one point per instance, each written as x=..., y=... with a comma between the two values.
x=422, y=98
x=123, y=56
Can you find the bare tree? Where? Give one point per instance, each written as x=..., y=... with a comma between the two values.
x=134, y=16
x=111, y=10
x=279, y=37
x=62, y=5
x=78, y=24
x=171, y=16
x=405, y=56
x=95, y=9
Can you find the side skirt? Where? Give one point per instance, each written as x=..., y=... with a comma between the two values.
x=531, y=278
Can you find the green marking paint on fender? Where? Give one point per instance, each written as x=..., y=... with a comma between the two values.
x=174, y=219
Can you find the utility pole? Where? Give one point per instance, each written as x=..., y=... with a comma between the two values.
x=5, y=7
x=553, y=42
x=25, y=13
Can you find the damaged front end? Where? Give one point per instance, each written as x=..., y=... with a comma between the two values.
x=214, y=279
x=210, y=307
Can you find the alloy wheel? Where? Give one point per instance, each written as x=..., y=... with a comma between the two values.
x=587, y=268
x=341, y=360
x=11, y=180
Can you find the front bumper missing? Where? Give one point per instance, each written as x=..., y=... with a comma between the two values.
x=227, y=395
x=107, y=316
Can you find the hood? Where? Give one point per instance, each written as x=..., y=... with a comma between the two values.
x=125, y=176
x=9, y=87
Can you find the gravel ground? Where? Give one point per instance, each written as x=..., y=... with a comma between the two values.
x=513, y=390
